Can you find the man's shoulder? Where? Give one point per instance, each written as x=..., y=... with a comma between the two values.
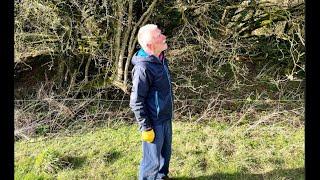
x=142, y=65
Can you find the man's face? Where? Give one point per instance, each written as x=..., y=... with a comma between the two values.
x=159, y=41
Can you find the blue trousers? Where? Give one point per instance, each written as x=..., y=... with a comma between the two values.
x=156, y=155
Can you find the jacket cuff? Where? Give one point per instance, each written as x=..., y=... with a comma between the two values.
x=145, y=128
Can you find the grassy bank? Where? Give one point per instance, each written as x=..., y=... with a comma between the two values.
x=200, y=151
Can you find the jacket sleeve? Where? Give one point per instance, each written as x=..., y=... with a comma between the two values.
x=139, y=92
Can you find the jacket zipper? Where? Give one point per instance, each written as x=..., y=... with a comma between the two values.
x=157, y=104
x=165, y=68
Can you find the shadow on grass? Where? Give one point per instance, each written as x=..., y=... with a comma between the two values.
x=75, y=161
x=297, y=173
x=111, y=156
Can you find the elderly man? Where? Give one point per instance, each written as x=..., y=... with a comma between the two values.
x=151, y=101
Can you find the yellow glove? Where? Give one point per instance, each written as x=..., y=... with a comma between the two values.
x=148, y=136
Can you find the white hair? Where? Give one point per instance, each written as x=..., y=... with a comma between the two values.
x=144, y=35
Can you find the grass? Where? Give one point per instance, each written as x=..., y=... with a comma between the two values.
x=200, y=151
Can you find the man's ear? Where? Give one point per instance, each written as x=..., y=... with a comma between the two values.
x=149, y=46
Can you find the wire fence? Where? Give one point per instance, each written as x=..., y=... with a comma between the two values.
x=52, y=115
x=127, y=100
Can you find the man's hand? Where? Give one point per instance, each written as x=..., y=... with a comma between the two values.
x=148, y=135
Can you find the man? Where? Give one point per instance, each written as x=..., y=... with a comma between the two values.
x=151, y=101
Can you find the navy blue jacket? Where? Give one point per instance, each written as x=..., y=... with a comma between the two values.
x=151, y=98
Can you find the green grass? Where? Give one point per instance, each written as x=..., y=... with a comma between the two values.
x=200, y=151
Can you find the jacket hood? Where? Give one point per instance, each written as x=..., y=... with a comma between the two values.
x=142, y=56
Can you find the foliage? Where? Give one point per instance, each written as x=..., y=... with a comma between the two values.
x=88, y=40
x=72, y=60
x=82, y=34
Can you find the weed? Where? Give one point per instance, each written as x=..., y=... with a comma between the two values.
x=50, y=161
